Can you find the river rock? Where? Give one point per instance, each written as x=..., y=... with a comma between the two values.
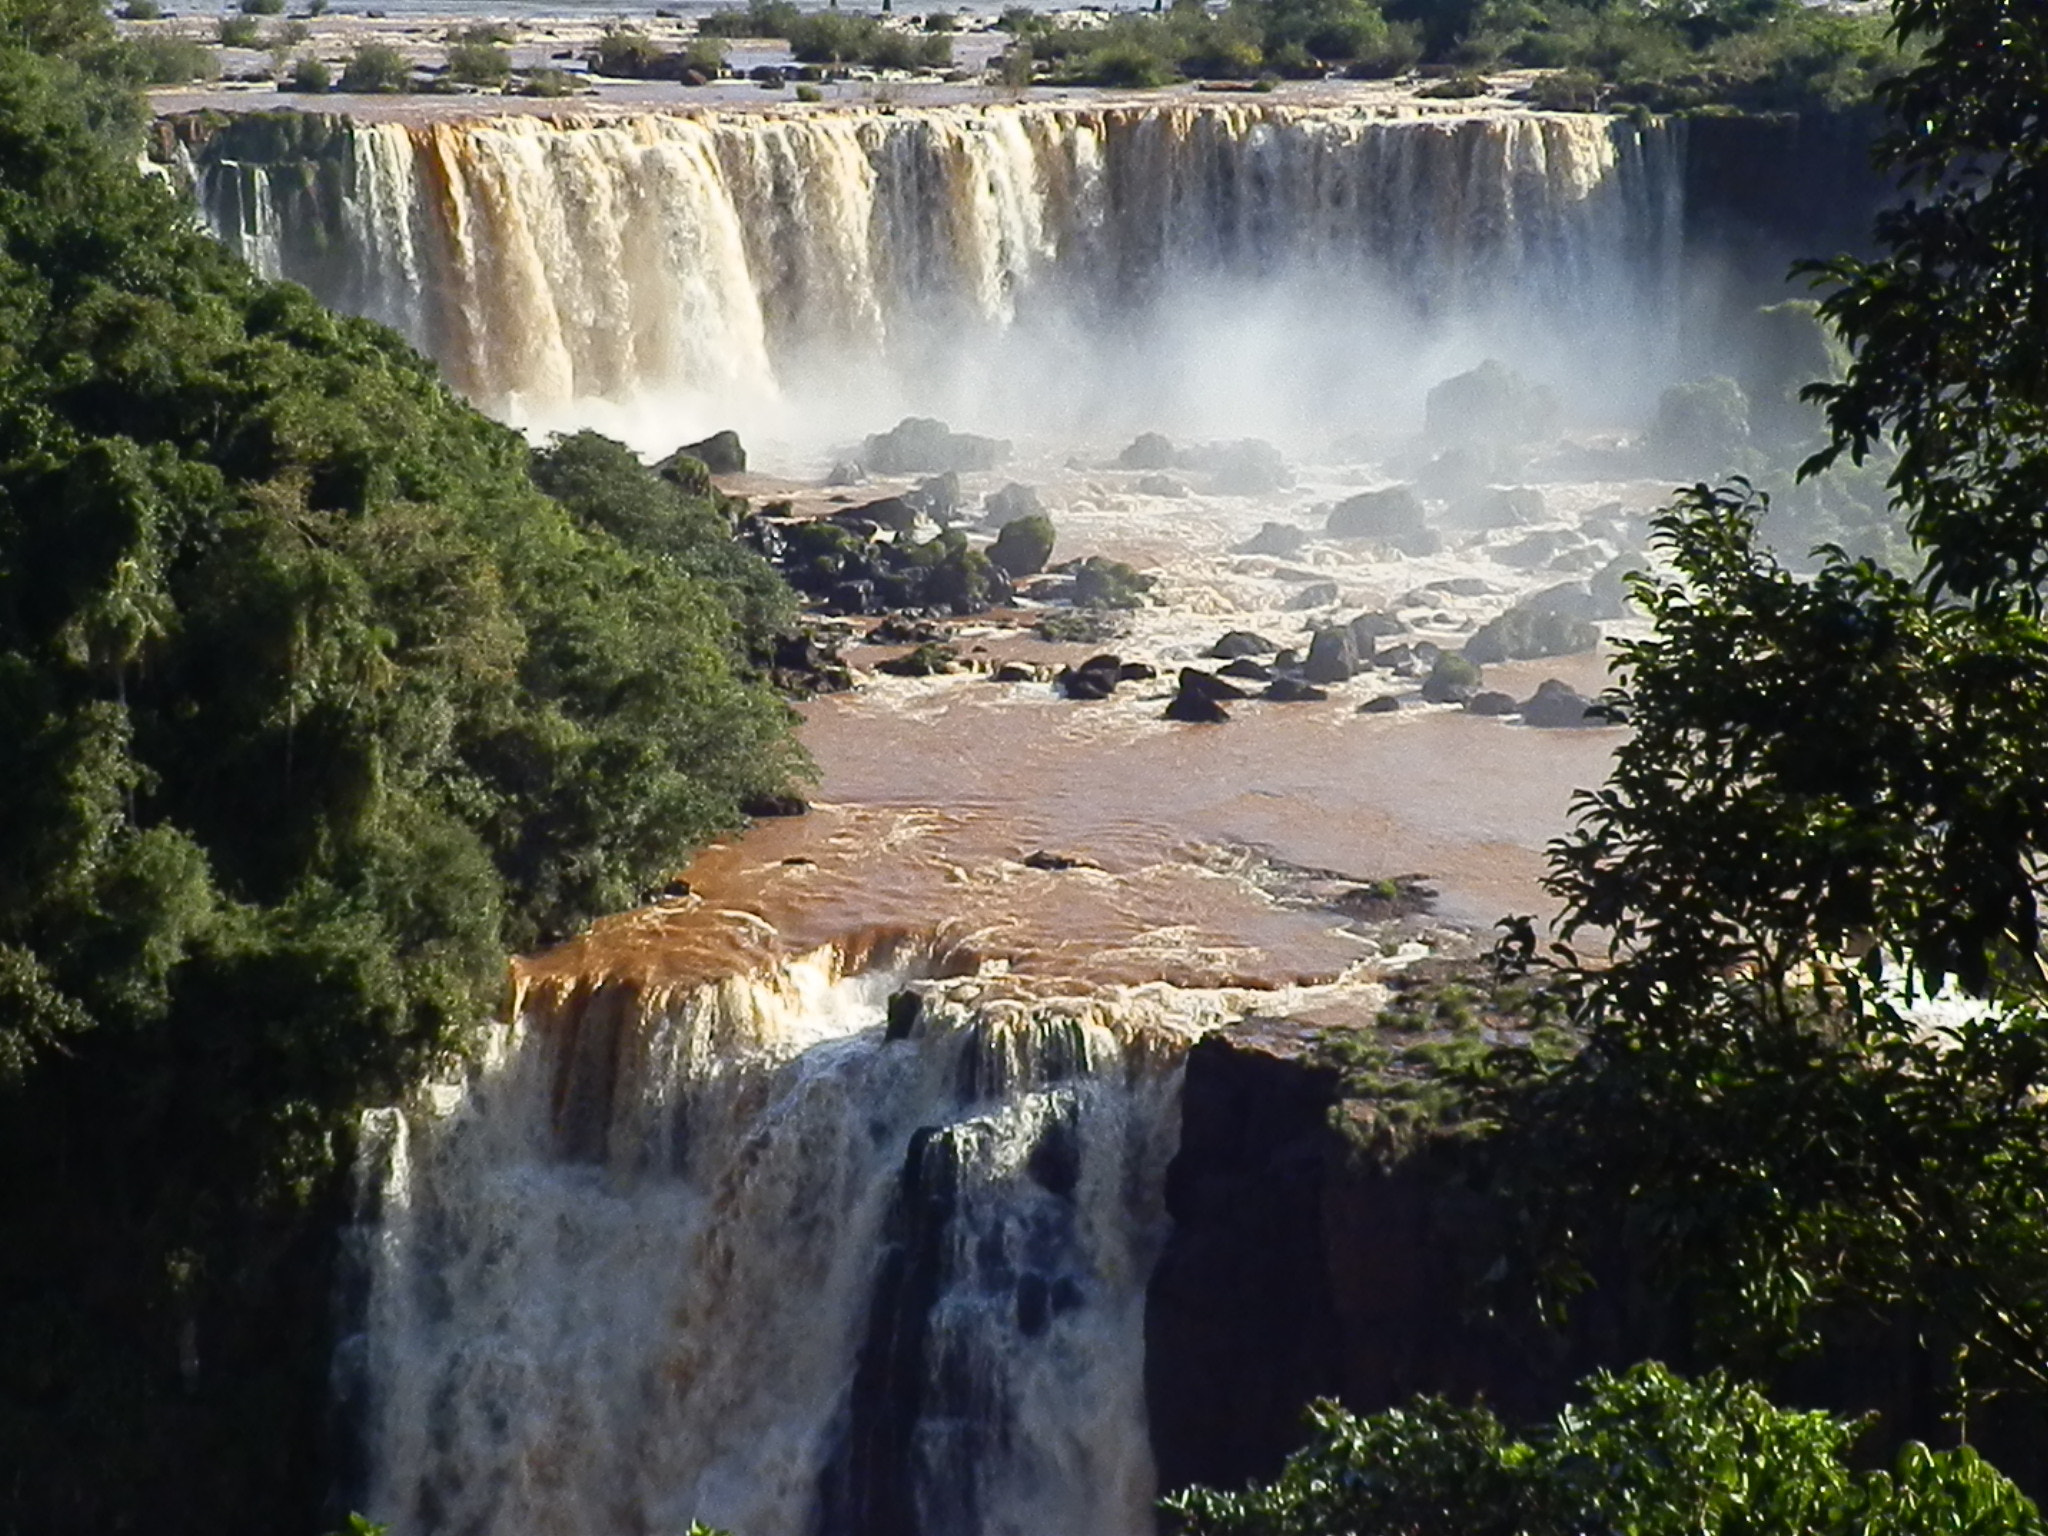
x=1195, y=709
x=1023, y=546
x=1608, y=588
x=1570, y=599
x=764, y=806
x=920, y=445
x=1499, y=507
x=1283, y=541
x=1368, y=629
x=721, y=453
x=1241, y=642
x=1539, y=548
x=1491, y=702
x=1523, y=633
x=938, y=496
x=1317, y=594
x=1010, y=503
x=1556, y=705
x=1014, y=672
x=1331, y=656
x=1388, y=705
x=892, y=512
x=1244, y=667
x=1389, y=514
x=1161, y=485
x=1206, y=685
x=1248, y=467
x=1150, y=450
x=1452, y=680
x=1095, y=678
x=1292, y=690
x=1490, y=404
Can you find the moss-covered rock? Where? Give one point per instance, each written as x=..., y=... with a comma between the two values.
x=1023, y=547
x=1526, y=632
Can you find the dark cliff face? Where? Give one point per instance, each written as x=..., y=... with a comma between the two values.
x=1299, y=1267
x=1240, y=1324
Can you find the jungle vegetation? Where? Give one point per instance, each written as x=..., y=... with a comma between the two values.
x=319, y=693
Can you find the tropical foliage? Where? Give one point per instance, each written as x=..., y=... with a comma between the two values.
x=312, y=704
x=1645, y=1452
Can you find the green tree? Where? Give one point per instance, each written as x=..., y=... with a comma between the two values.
x=312, y=704
x=1646, y=1452
x=1834, y=803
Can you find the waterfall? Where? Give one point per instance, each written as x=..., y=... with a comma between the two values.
x=808, y=1252
x=725, y=264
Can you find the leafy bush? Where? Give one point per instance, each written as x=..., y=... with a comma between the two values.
x=310, y=74
x=625, y=54
x=830, y=37
x=1645, y=1452
x=484, y=64
x=376, y=68
x=762, y=18
x=549, y=83
x=489, y=32
x=262, y=7
x=164, y=60
x=240, y=32
x=141, y=10
x=1568, y=90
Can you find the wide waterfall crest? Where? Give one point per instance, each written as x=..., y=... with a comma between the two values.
x=719, y=265
x=793, y=1252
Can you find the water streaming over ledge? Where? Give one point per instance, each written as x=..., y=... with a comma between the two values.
x=728, y=261
x=799, y=1250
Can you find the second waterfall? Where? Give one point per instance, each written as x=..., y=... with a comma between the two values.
x=1029, y=265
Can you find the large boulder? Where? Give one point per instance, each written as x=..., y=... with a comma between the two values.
x=1281, y=540
x=1393, y=513
x=1316, y=594
x=919, y=445
x=938, y=496
x=1150, y=450
x=897, y=513
x=1525, y=632
x=1207, y=685
x=1292, y=690
x=1702, y=425
x=1241, y=642
x=1499, y=506
x=1332, y=657
x=1095, y=678
x=1023, y=547
x=1490, y=702
x=1490, y=404
x=1100, y=582
x=721, y=453
x=1609, y=589
x=1248, y=467
x=1010, y=503
x=1194, y=709
x=1368, y=629
x=1556, y=706
x=1452, y=680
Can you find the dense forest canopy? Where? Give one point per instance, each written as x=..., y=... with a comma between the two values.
x=313, y=703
